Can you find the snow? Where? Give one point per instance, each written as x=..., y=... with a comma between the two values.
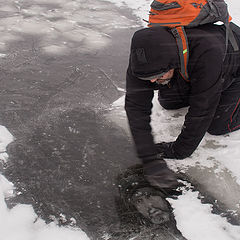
x=140, y=8
x=5, y=138
x=196, y=221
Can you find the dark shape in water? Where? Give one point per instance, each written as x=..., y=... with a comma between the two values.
x=145, y=206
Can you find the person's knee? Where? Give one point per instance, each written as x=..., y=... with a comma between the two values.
x=168, y=106
x=218, y=131
x=172, y=105
x=215, y=133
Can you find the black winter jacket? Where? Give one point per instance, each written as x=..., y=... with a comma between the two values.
x=154, y=50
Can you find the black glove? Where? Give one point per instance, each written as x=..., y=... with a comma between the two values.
x=165, y=149
x=158, y=174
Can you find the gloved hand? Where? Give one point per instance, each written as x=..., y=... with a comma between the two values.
x=165, y=149
x=158, y=174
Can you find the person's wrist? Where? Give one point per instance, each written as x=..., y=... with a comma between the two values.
x=151, y=158
x=166, y=149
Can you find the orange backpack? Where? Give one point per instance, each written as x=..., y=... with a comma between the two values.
x=177, y=14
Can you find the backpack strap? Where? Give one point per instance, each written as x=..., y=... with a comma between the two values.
x=182, y=43
x=230, y=37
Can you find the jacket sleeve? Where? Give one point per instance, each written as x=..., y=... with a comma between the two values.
x=206, y=86
x=138, y=105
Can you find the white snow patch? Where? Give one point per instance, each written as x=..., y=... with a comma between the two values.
x=233, y=6
x=6, y=190
x=196, y=221
x=140, y=8
x=119, y=103
x=2, y=55
x=5, y=138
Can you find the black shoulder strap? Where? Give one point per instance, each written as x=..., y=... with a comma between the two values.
x=230, y=37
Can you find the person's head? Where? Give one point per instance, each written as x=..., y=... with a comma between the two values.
x=154, y=54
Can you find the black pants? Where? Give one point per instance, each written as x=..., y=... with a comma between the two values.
x=227, y=116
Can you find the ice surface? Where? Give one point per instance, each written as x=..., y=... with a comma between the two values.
x=59, y=23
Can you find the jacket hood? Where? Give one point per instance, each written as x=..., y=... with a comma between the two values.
x=153, y=51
